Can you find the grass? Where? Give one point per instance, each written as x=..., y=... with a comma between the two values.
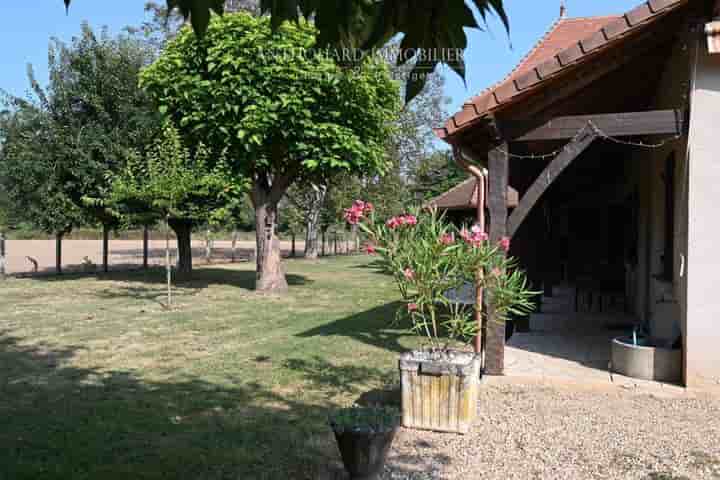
x=99, y=381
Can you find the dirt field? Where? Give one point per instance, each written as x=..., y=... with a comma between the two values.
x=123, y=253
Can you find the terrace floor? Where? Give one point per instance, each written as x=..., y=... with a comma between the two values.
x=564, y=346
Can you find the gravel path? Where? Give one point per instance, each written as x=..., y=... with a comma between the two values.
x=541, y=432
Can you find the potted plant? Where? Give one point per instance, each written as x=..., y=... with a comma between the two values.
x=429, y=258
x=364, y=436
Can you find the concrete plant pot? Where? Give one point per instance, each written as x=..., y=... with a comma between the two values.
x=439, y=390
x=646, y=361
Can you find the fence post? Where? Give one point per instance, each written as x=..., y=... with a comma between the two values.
x=323, y=243
x=146, y=242
x=2, y=256
x=293, y=252
x=335, y=244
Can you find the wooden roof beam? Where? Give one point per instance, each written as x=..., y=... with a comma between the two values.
x=628, y=124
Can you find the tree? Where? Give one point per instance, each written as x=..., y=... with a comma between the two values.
x=433, y=29
x=164, y=24
x=437, y=174
x=306, y=203
x=61, y=145
x=284, y=112
x=178, y=186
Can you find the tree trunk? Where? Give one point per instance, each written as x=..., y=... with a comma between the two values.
x=311, y=237
x=233, y=248
x=105, y=248
x=270, y=274
x=2, y=256
x=146, y=244
x=312, y=221
x=58, y=253
x=183, y=230
x=208, y=246
x=168, y=267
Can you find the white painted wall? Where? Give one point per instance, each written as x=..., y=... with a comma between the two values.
x=703, y=226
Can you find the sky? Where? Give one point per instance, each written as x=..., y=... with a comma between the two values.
x=26, y=27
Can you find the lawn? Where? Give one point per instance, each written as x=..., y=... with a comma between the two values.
x=98, y=380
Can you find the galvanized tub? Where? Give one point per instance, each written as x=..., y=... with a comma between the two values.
x=439, y=390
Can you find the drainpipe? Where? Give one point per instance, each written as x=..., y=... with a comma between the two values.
x=712, y=31
x=481, y=178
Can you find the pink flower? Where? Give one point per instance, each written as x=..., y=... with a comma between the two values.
x=505, y=243
x=352, y=216
x=370, y=249
x=393, y=223
x=409, y=274
x=358, y=205
x=369, y=208
x=411, y=219
x=465, y=235
x=412, y=307
x=447, y=239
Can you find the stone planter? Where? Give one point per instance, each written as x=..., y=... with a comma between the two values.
x=439, y=390
x=364, y=453
x=646, y=361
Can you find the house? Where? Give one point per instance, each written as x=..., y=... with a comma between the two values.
x=608, y=130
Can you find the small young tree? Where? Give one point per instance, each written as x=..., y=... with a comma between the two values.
x=178, y=186
x=283, y=111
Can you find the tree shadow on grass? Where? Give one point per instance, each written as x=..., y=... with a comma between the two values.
x=150, y=284
x=373, y=327
x=59, y=422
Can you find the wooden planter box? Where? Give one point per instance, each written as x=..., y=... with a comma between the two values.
x=439, y=391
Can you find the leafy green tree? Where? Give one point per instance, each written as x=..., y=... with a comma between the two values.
x=41, y=177
x=178, y=186
x=437, y=174
x=164, y=24
x=283, y=111
x=428, y=28
x=60, y=145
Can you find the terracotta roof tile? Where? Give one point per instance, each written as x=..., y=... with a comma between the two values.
x=567, y=42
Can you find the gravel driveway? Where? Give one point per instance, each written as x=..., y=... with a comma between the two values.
x=568, y=432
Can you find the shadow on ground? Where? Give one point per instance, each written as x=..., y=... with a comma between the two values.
x=149, y=284
x=59, y=422
x=373, y=327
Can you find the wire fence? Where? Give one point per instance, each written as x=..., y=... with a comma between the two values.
x=30, y=257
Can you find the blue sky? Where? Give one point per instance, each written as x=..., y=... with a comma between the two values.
x=28, y=25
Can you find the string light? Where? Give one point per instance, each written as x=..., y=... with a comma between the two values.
x=600, y=134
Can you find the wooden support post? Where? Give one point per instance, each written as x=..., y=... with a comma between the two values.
x=3, y=257
x=105, y=248
x=322, y=253
x=293, y=251
x=498, y=166
x=146, y=242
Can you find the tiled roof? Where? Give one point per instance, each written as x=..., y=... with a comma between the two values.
x=568, y=43
x=465, y=195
